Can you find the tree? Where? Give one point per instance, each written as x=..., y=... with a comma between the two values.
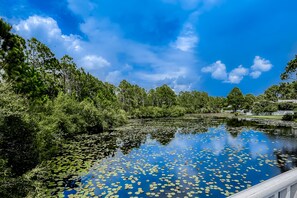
x=40, y=58
x=288, y=90
x=186, y=99
x=235, y=99
x=249, y=101
x=264, y=106
x=67, y=74
x=201, y=101
x=272, y=93
x=14, y=65
x=290, y=70
x=165, y=96
x=126, y=95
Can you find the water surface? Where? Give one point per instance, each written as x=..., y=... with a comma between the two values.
x=215, y=162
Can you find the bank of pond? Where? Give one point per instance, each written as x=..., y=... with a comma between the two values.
x=172, y=157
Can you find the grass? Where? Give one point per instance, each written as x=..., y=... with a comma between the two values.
x=230, y=115
x=271, y=117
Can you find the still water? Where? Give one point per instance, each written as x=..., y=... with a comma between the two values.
x=215, y=163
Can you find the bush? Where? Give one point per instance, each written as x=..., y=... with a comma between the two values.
x=176, y=111
x=286, y=106
x=65, y=117
x=290, y=117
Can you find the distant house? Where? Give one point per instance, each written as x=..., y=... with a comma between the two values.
x=287, y=101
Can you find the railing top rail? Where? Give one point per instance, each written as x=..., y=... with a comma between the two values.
x=269, y=187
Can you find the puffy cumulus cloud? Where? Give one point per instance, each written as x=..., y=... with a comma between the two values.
x=47, y=31
x=217, y=70
x=260, y=65
x=237, y=74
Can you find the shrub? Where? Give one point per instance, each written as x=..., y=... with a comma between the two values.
x=288, y=117
x=286, y=106
x=65, y=117
x=176, y=111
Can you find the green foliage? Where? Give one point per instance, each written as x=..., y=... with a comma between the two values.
x=200, y=102
x=165, y=96
x=264, y=107
x=176, y=111
x=272, y=93
x=235, y=99
x=289, y=117
x=131, y=96
x=249, y=101
x=17, y=143
x=288, y=90
x=12, y=186
x=287, y=106
x=63, y=118
x=290, y=70
x=17, y=131
x=186, y=99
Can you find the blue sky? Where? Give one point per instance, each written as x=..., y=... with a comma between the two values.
x=205, y=45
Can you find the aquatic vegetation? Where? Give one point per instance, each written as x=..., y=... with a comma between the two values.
x=211, y=163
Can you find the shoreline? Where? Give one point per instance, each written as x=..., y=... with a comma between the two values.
x=260, y=120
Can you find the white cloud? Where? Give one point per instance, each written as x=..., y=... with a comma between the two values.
x=255, y=74
x=94, y=62
x=237, y=74
x=217, y=70
x=47, y=31
x=260, y=65
x=187, y=40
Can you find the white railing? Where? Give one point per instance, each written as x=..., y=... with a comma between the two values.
x=281, y=186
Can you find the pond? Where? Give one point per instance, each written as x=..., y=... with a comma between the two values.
x=188, y=158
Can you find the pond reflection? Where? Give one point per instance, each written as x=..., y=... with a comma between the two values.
x=194, y=160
